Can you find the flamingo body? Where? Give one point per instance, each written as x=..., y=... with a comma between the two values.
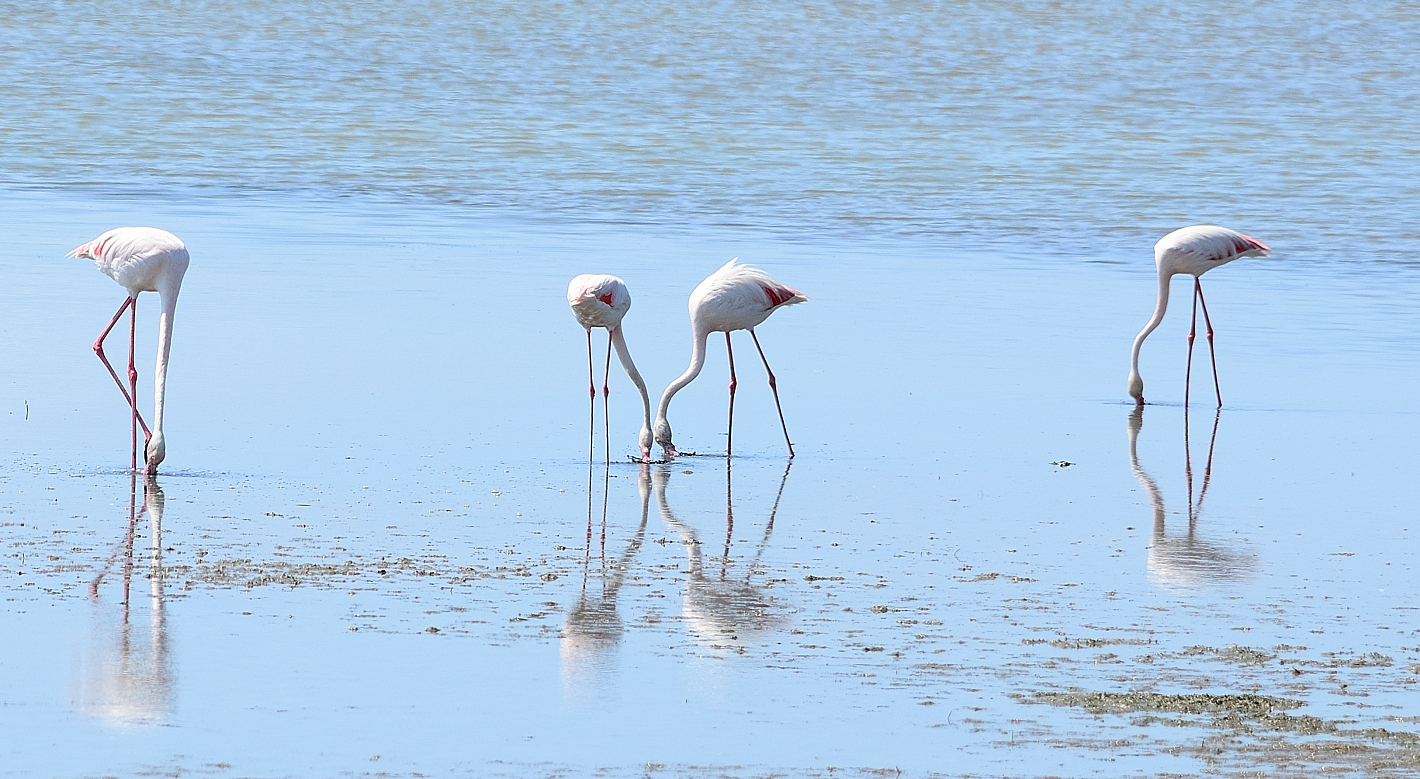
x=1193, y=251
x=738, y=297
x=142, y=259
x=599, y=300
x=735, y=297
x=1198, y=249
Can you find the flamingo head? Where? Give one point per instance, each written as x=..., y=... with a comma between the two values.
x=1136, y=387
x=663, y=437
x=644, y=439
x=154, y=453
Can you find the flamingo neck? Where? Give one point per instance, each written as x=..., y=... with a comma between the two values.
x=1159, y=309
x=697, y=362
x=165, y=344
x=624, y=354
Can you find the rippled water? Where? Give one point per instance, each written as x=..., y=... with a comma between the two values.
x=1062, y=125
x=377, y=547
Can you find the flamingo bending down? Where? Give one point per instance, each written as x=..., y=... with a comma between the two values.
x=1193, y=250
x=735, y=297
x=599, y=300
x=141, y=259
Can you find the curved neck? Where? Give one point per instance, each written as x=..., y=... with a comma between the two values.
x=165, y=344
x=697, y=361
x=624, y=354
x=1159, y=310
x=1136, y=421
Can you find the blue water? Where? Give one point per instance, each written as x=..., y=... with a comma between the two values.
x=377, y=403
x=1064, y=127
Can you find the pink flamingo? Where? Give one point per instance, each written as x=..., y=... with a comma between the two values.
x=141, y=259
x=735, y=297
x=602, y=301
x=1193, y=250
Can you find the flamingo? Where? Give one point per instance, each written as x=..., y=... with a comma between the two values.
x=602, y=301
x=1193, y=250
x=735, y=297
x=141, y=259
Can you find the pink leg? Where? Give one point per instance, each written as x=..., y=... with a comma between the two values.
x=591, y=417
x=133, y=378
x=730, y=436
x=99, y=350
x=606, y=397
x=1192, y=331
x=1211, y=353
x=774, y=387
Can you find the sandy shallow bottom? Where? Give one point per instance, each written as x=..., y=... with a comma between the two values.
x=378, y=548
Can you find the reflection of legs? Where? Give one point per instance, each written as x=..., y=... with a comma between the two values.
x=1208, y=466
x=774, y=387
x=1192, y=331
x=1213, y=355
x=1188, y=469
x=99, y=350
x=730, y=436
x=729, y=521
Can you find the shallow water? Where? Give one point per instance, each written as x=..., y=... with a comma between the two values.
x=378, y=551
x=377, y=546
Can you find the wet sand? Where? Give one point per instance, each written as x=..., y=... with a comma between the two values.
x=377, y=547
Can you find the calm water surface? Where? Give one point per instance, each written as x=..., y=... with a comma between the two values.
x=377, y=546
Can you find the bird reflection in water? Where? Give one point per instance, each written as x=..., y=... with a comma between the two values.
x=724, y=609
x=593, y=628
x=128, y=678
x=1186, y=560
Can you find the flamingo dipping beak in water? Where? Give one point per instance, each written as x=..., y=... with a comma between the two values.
x=1195, y=251
x=141, y=259
x=602, y=301
x=735, y=297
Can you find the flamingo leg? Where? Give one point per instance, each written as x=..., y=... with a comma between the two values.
x=774, y=387
x=1192, y=331
x=1213, y=355
x=606, y=396
x=591, y=417
x=99, y=350
x=133, y=378
x=730, y=436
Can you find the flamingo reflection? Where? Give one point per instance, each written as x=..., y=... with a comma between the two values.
x=129, y=677
x=724, y=610
x=593, y=628
x=1186, y=560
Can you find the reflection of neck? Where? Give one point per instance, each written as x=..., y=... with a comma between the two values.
x=687, y=535
x=1136, y=421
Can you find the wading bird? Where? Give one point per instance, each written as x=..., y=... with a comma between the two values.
x=602, y=301
x=141, y=259
x=735, y=297
x=1193, y=250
